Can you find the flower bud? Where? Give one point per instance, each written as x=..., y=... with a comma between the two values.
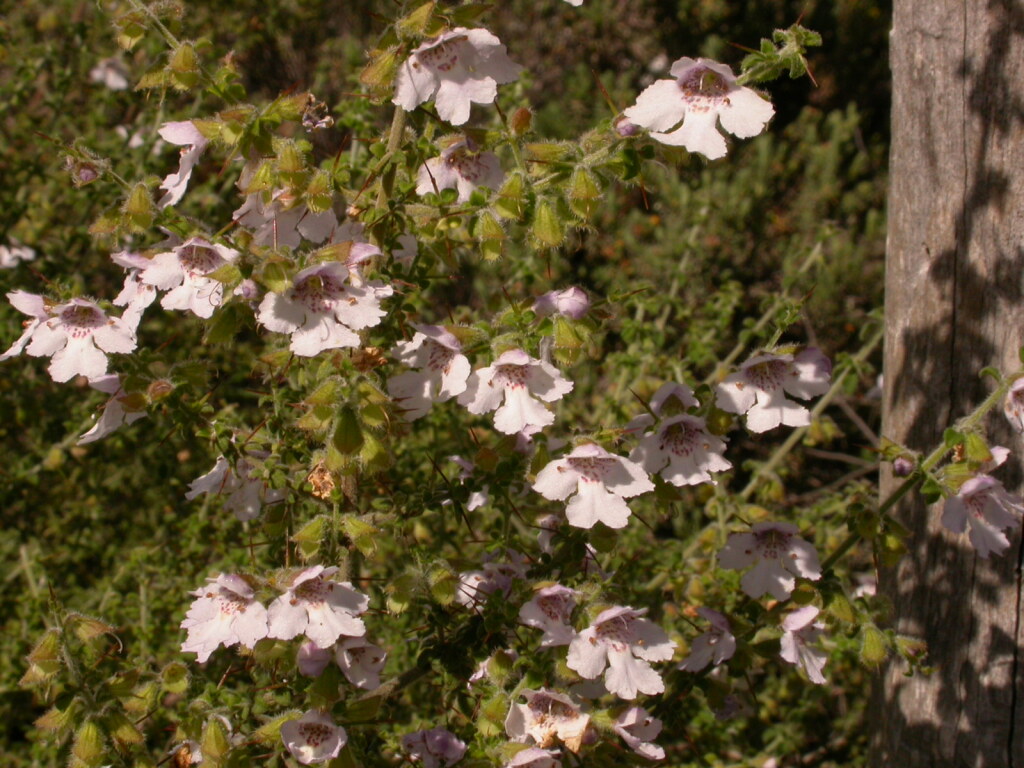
x=348, y=435
x=547, y=227
x=415, y=23
x=82, y=171
x=520, y=121
x=625, y=128
x=571, y=302
x=902, y=466
x=139, y=207
x=184, y=66
x=88, y=747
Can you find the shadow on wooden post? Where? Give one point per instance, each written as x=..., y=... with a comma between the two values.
x=954, y=304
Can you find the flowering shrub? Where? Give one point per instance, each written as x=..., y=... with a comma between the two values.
x=335, y=326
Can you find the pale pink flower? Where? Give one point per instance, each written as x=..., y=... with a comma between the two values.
x=116, y=411
x=321, y=608
x=624, y=643
x=313, y=660
x=713, y=647
x=183, y=134
x=571, y=302
x=435, y=748
x=407, y=249
x=759, y=388
x=476, y=586
x=547, y=716
x=1013, y=405
x=225, y=613
x=671, y=399
x=701, y=93
x=245, y=495
x=984, y=504
x=361, y=661
x=778, y=555
x=551, y=610
x=135, y=295
x=278, y=220
x=458, y=68
x=599, y=483
x=443, y=370
x=324, y=308
x=313, y=738
x=461, y=166
x=514, y=386
x=799, y=631
x=182, y=272
x=682, y=450
x=111, y=73
x=638, y=728
x=485, y=671
x=75, y=335
x=11, y=255
x=534, y=757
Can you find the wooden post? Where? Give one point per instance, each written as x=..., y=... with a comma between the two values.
x=954, y=304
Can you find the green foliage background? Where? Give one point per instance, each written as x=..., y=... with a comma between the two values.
x=105, y=530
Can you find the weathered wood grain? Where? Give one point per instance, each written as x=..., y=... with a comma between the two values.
x=955, y=267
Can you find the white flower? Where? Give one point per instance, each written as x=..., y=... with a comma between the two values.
x=74, y=334
x=778, y=555
x=712, y=647
x=116, y=411
x=476, y=586
x=321, y=608
x=798, y=633
x=434, y=748
x=135, y=295
x=279, y=220
x=576, y=3
x=324, y=307
x=551, y=610
x=983, y=503
x=476, y=498
x=460, y=166
x=702, y=93
x=682, y=450
x=110, y=72
x=622, y=641
x=10, y=255
x=183, y=134
x=1013, y=405
x=312, y=660
x=443, y=370
x=313, y=738
x=758, y=388
x=226, y=613
x=182, y=272
x=671, y=399
x=534, y=757
x=638, y=728
x=571, y=302
x=361, y=661
x=407, y=249
x=515, y=385
x=545, y=717
x=246, y=495
x=457, y=68
x=599, y=483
